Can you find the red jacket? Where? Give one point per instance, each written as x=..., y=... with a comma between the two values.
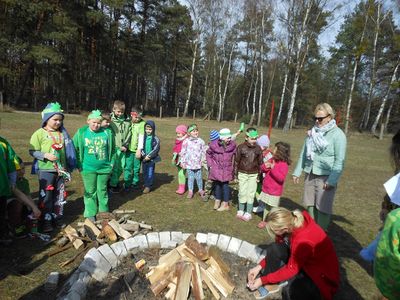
x=312, y=251
x=274, y=178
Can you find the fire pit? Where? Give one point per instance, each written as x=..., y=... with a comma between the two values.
x=109, y=271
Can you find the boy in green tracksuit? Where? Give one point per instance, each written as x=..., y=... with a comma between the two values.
x=135, y=147
x=8, y=177
x=121, y=126
x=95, y=149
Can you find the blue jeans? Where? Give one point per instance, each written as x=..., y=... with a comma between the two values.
x=148, y=169
x=222, y=191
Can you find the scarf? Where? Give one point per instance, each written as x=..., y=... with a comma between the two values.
x=178, y=145
x=316, y=142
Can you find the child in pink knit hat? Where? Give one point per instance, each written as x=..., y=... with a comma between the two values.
x=181, y=134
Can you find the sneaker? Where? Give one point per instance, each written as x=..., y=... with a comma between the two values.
x=262, y=225
x=246, y=217
x=114, y=190
x=20, y=232
x=239, y=214
x=47, y=227
x=146, y=190
x=190, y=195
x=258, y=209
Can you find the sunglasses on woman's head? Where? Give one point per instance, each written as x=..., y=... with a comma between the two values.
x=319, y=119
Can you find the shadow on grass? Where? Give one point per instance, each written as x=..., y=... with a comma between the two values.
x=347, y=247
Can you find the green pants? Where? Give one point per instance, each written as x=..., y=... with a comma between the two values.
x=132, y=168
x=119, y=167
x=181, y=175
x=322, y=219
x=95, y=197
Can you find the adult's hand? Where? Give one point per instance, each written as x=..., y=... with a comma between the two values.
x=255, y=284
x=296, y=180
x=50, y=157
x=252, y=274
x=328, y=186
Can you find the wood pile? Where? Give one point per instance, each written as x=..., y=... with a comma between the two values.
x=109, y=228
x=189, y=268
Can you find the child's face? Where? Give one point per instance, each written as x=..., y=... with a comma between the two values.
x=251, y=141
x=118, y=112
x=135, y=117
x=148, y=130
x=55, y=122
x=94, y=124
x=179, y=135
x=194, y=133
x=105, y=123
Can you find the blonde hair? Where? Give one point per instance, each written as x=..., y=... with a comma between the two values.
x=326, y=108
x=279, y=218
x=118, y=104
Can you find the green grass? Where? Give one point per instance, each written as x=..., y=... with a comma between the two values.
x=24, y=266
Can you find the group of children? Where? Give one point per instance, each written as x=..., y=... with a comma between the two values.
x=252, y=163
x=114, y=143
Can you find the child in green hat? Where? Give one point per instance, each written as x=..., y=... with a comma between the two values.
x=95, y=147
x=248, y=160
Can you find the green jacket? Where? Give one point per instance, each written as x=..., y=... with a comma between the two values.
x=79, y=144
x=7, y=165
x=136, y=129
x=122, y=130
x=387, y=258
x=330, y=162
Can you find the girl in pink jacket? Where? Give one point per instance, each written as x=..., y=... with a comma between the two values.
x=274, y=179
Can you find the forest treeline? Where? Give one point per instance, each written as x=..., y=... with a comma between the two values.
x=217, y=57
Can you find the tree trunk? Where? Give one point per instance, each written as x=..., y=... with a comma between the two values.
x=261, y=71
x=385, y=98
x=223, y=96
x=191, y=78
x=253, y=113
x=353, y=81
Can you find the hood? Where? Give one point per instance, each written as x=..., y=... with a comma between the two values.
x=121, y=119
x=217, y=147
x=152, y=125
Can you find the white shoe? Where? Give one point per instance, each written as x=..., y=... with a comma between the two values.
x=246, y=217
x=258, y=209
x=239, y=214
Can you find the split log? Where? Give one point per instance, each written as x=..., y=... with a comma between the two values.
x=197, y=284
x=105, y=216
x=199, y=250
x=170, y=294
x=109, y=232
x=141, y=224
x=119, y=230
x=123, y=211
x=130, y=227
x=92, y=227
x=62, y=242
x=184, y=274
x=209, y=284
x=194, y=259
x=213, y=252
x=59, y=250
x=70, y=232
x=170, y=258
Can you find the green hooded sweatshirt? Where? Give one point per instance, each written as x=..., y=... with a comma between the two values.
x=122, y=129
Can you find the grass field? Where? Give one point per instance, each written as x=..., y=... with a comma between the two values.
x=24, y=265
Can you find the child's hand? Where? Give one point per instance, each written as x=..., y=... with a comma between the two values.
x=36, y=212
x=147, y=158
x=269, y=165
x=138, y=154
x=123, y=149
x=50, y=157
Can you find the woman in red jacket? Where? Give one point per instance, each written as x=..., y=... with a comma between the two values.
x=302, y=259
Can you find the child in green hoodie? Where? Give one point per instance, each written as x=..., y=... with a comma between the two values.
x=95, y=149
x=133, y=157
x=121, y=126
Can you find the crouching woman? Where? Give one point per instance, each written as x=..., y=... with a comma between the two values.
x=302, y=260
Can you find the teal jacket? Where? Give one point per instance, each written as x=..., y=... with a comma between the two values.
x=80, y=145
x=330, y=162
x=122, y=130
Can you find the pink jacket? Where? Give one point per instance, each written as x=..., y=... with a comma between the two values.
x=274, y=178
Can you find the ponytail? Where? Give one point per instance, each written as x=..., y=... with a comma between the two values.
x=280, y=217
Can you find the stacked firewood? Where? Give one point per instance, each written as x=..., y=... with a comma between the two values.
x=108, y=228
x=189, y=268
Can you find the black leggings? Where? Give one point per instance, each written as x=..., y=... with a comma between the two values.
x=300, y=286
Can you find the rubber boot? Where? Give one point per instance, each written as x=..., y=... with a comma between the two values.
x=181, y=189
x=217, y=203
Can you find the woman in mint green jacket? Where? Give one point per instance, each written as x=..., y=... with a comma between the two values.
x=322, y=159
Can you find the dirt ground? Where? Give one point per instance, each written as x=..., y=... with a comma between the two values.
x=114, y=287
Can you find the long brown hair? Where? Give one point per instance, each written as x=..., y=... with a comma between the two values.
x=282, y=152
x=395, y=151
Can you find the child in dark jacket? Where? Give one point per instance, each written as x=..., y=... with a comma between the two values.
x=220, y=159
x=151, y=148
x=248, y=160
